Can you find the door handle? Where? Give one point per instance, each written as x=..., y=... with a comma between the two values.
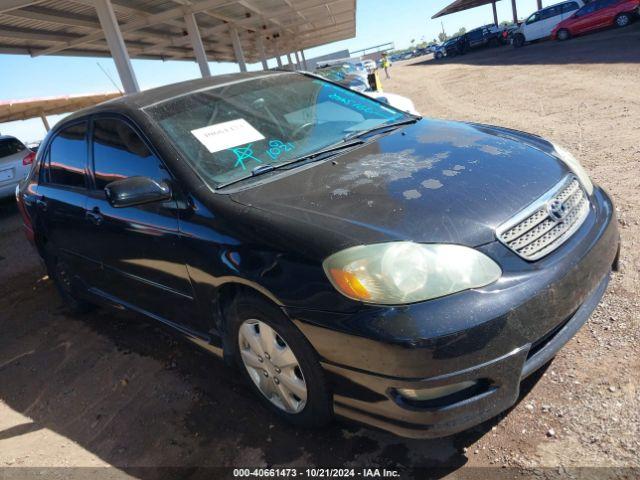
x=41, y=203
x=95, y=216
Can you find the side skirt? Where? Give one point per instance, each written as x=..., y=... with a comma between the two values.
x=210, y=343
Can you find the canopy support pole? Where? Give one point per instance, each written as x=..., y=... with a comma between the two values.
x=298, y=62
x=196, y=44
x=515, y=11
x=47, y=127
x=495, y=13
x=118, y=49
x=263, y=55
x=237, y=49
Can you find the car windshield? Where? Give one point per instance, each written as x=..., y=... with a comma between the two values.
x=225, y=132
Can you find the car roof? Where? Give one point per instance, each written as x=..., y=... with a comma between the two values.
x=556, y=4
x=8, y=137
x=138, y=101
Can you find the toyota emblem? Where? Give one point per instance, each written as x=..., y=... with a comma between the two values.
x=556, y=209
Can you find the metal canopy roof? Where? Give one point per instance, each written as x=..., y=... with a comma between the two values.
x=11, y=110
x=460, y=5
x=157, y=29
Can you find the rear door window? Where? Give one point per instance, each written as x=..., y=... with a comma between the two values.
x=551, y=12
x=569, y=7
x=119, y=152
x=67, y=157
x=10, y=146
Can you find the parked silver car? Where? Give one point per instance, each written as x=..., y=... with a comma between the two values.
x=15, y=163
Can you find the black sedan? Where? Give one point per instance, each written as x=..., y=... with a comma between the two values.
x=349, y=258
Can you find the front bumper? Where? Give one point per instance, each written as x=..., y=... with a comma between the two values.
x=499, y=390
x=495, y=336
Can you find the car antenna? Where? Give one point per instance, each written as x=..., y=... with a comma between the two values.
x=109, y=77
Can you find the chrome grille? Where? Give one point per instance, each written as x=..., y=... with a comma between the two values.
x=548, y=222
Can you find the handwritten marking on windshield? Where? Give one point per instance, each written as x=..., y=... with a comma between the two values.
x=350, y=103
x=278, y=147
x=242, y=154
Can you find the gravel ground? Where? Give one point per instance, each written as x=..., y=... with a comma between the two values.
x=112, y=389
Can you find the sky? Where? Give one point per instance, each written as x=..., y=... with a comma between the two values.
x=377, y=21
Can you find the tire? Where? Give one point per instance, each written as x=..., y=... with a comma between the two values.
x=250, y=323
x=563, y=35
x=438, y=55
x=622, y=20
x=58, y=271
x=518, y=40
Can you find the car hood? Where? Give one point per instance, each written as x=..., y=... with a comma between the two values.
x=434, y=181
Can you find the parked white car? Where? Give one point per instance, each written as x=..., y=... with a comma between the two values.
x=369, y=65
x=398, y=101
x=15, y=163
x=541, y=23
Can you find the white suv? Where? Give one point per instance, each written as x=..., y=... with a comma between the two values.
x=541, y=23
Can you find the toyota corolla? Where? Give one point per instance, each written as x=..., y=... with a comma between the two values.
x=349, y=258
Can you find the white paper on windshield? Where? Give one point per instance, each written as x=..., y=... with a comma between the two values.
x=222, y=136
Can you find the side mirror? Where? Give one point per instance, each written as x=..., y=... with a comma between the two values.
x=136, y=191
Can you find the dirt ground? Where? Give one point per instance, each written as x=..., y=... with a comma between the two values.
x=113, y=389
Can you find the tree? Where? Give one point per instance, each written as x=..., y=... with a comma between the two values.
x=443, y=37
x=460, y=32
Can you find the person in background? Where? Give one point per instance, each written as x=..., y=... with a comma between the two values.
x=385, y=63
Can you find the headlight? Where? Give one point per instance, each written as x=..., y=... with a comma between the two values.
x=574, y=165
x=406, y=272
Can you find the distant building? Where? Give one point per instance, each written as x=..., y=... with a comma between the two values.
x=312, y=63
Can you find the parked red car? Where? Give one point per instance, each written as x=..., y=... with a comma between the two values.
x=595, y=15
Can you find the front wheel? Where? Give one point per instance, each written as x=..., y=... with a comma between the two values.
x=277, y=362
x=438, y=55
x=563, y=35
x=623, y=20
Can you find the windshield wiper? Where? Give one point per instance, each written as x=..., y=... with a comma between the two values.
x=323, y=153
x=384, y=126
x=334, y=148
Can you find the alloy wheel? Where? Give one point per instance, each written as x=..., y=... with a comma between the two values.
x=272, y=366
x=622, y=21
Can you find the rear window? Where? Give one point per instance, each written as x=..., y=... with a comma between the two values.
x=10, y=146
